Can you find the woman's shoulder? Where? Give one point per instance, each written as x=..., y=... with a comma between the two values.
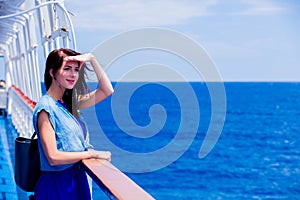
x=45, y=103
x=46, y=99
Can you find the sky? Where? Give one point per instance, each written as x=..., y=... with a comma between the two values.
x=257, y=40
x=245, y=40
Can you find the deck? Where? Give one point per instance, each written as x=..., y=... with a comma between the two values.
x=8, y=187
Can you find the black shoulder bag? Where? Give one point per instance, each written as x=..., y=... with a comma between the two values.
x=27, y=163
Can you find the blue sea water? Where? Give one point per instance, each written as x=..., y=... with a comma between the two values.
x=256, y=157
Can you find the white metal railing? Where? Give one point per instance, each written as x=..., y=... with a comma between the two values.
x=20, y=107
x=2, y=98
x=21, y=52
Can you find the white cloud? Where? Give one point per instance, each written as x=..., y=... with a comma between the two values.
x=122, y=14
x=260, y=7
x=240, y=44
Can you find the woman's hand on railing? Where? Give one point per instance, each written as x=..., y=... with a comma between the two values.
x=105, y=155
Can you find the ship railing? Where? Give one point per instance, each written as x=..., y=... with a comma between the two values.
x=20, y=108
x=3, y=97
x=114, y=183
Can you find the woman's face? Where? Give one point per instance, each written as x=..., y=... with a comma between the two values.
x=67, y=75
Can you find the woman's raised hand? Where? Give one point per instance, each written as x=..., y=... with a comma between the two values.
x=80, y=58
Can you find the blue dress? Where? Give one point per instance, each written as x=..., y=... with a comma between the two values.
x=68, y=184
x=68, y=181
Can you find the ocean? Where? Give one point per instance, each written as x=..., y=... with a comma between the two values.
x=155, y=132
x=256, y=156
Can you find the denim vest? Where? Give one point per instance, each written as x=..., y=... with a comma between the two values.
x=68, y=132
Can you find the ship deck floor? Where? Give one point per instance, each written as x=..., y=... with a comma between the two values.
x=8, y=188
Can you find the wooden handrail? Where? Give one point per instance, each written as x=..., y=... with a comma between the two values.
x=114, y=182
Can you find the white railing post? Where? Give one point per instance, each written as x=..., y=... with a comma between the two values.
x=21, y=112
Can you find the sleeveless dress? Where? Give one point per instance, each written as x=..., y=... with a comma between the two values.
x=68, y=181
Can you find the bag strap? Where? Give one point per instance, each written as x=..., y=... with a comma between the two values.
x=33, y=135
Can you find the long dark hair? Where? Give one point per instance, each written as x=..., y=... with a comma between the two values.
x=54, y=61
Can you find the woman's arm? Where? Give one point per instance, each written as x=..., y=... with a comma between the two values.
x=105, y=88
x=55, y=157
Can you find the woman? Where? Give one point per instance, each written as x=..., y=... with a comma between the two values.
x=60, y=130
